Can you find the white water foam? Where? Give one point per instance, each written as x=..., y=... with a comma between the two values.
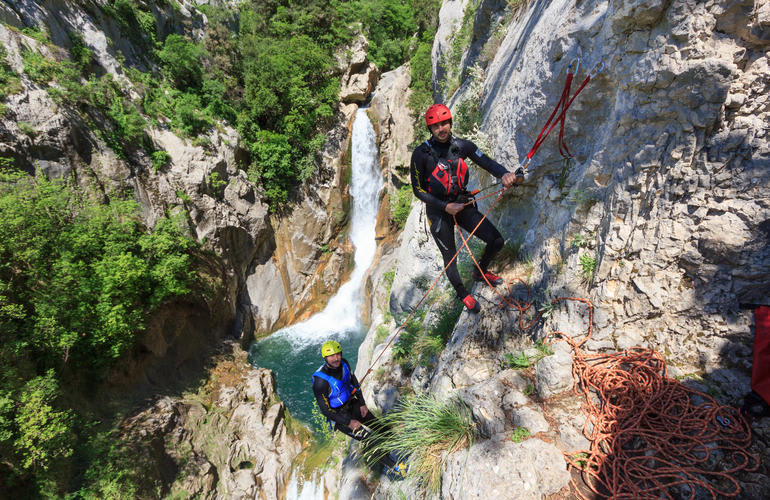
x=342, y=314
x=308, y=490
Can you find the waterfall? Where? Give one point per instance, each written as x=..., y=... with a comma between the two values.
x=294, y=353
x=342, y=314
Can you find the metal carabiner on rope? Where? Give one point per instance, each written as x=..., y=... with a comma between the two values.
x=596, y=69
x=577, y=67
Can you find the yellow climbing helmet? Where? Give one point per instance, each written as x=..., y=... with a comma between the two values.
x=330, y=347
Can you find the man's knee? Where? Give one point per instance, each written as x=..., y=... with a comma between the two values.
x=497, y=244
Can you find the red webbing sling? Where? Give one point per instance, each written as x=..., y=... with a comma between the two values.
x=559, y=113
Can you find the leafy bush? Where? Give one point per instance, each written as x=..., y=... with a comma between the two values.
x=39, y=68
x=77, y=283
x=587, y=267
x=160, y=159
x=401, y=206
x=188, y=118
x=520, y=434
x=81, y=55
x=181, y=60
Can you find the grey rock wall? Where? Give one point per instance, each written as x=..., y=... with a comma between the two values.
x=235, y=446
x=668, y=193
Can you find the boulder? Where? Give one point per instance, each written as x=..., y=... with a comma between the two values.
x=497, y=468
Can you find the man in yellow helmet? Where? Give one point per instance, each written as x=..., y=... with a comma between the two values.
x=338, y=393
x=339, y=398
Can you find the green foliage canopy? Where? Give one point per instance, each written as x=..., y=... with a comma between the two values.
x=77, y=283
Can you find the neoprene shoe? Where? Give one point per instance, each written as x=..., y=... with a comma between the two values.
x=472, y=304
x=493, y=279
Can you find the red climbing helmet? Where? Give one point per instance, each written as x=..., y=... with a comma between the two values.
x=437, y=113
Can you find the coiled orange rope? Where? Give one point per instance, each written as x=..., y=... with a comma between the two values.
x=651, y=436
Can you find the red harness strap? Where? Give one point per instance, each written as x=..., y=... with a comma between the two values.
x=760, y=370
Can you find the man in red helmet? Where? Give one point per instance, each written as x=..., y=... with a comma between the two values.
x=439, y=177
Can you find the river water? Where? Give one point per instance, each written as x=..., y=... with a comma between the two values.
x=294, y=352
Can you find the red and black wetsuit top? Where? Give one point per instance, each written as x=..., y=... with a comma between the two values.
x=439, y=173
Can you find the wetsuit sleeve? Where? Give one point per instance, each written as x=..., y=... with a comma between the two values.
x=469, y=150
x=417, y=168
x=321, y=389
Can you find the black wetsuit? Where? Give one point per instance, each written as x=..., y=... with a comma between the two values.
x=351, y=410
x=441, y=223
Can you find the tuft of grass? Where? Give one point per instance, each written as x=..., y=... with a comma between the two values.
x=425, y=430
x=521, y=361
x=519, y=434
x=388, y=278
x=546, y=308
x=584, y=199
x=510, y=252
x=587, y=267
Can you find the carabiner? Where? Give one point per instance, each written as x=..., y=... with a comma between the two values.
x=596, y=69
x=577, y=67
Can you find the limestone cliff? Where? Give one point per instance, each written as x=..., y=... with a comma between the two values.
x=659, y=219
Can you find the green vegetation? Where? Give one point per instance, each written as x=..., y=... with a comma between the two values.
x=77, y=284
x=27, y=129
x=578, y=240
x=387, y=278
x=546, y=309
x=9, y=79
x=321, y=428
x=275, y=80
x=511, y=252
x=584, y=199
x=519, y=434
x=587, y=267
x=401, y=206
x=79, y=280
x=160, y=159
x=425, y=430
x=521, y=360
x=418, y=343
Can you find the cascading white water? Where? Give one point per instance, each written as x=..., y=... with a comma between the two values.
x=293, y=353
x=342, y=313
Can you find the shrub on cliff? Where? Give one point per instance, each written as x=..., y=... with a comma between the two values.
x=77, y=283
